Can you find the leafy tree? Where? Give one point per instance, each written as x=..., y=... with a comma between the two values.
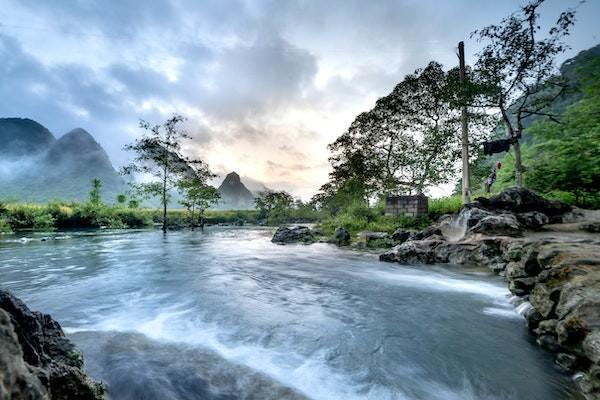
x=274, y=206
x=565, y=157
x=409, y=141
x=121, y=199
x=95, y=195
x=197, y=196
x=158, y=155
x=133, y=204
x=515, y=71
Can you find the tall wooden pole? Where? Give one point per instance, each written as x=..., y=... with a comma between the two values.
x=466, y=187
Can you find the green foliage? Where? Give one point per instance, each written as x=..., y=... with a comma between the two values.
x=274, y=207
x=158, y=154
x=29, y=217
x=121, y=199
x=444, y=205
x=5, y=225
x=563, y=160
x=95, y=197
x=359, y=217
x=197, y=197
x=409, y=141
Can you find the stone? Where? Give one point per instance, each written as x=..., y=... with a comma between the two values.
x=534, y=318
x=548, y=342
x=400, y=236
x=431, y=231
x=521, y=286
x=533, y=220
x=294, y=234
x=591, y=346
x=592, y=227
x=45, y=352
x=376, y=239
x=16, y=380
x=569, y=362
x=521, y=200
x=412, y=252
x=547, y=327
x=341, y=236
x=543, y=299
x=500, y=224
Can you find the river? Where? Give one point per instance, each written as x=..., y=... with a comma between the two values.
x=226, y=314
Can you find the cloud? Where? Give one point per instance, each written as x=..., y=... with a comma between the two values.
x=266, y=85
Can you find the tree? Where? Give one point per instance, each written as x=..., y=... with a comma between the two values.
x=158, y=156
x=121, y=199
x=409, y=141
x=274, y=206
x=95, y=195
x=565, y=157
x=515, y=70
x=197, y=196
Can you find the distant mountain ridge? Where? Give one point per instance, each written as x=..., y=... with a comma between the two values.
x=37, y=167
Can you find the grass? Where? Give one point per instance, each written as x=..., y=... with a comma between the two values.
x=64, y=215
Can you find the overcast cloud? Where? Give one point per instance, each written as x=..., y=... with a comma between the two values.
x=266, y=85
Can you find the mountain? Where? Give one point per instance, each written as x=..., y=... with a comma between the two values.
x=37, y=167
x=234, y=194
x=22, y=137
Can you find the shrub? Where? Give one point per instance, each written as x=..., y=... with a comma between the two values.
x=444, y=205
x=4, y=226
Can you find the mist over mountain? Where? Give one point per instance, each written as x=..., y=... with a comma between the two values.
x=37, y=167
x=234, y=194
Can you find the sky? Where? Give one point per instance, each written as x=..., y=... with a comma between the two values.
x=265, y=85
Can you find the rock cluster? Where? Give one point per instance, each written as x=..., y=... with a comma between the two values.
x=294, y=234
x=37, y=361
x=558, y=277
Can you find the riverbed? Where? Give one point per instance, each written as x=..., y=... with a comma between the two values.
x=226, y=314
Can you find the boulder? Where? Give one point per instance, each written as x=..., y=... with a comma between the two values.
x=294, y=234
x=498, y=225
x=521, y=200
x=570, y=362
x=413, y=252
x=375, y=239
x=341, y=236
x=533, y=220
x=432, y=232
x=544, y=299
x=591, y=346
x=485, y=252
x=400, y=236
x=38, y=361
x=592, y=227
x=16, y=380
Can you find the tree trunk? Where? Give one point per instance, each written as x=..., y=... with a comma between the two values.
x=164, y=226
x=518, y=165
x=511, y=135
x=466, y=186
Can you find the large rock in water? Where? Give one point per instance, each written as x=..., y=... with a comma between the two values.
x=294, y=234
x=37, y=361
x=341, y=236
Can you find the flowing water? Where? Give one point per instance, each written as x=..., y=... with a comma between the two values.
x=226, y=314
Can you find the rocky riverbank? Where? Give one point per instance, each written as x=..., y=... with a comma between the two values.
x=549, y=255
x=37, y=361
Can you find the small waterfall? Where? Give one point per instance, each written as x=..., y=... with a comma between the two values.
x=524, y=307
x=455, y=227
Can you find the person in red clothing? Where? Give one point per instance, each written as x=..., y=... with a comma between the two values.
x=492, y=177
